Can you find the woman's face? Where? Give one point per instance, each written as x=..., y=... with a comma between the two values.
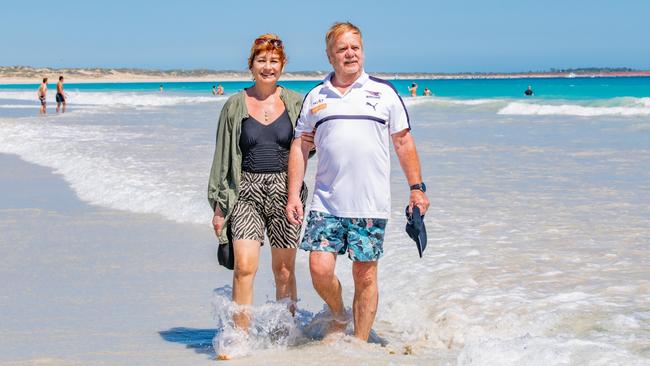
x=267, y=67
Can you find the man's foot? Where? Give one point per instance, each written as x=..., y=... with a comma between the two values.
x=223, y=357
x=337, y=328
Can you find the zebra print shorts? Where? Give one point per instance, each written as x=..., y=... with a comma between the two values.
x=261, y=203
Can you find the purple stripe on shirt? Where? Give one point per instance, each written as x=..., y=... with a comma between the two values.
x=344, y=116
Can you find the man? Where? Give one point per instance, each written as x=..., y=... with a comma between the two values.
x=427, y=92
x=214, y=90
x=529, y=92
x=60, y=97
x=353, y=116
x=42, y=96
x=220, y=90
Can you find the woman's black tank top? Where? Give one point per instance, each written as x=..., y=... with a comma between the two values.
x=265, y=148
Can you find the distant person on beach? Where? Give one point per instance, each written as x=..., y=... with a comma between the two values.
x=60, y=96
x=427, y=92
x=248, y=182
x=214, y=90
x=161, y=88
x=219, y=90
x=42, y=96
x=354, y=116
x=529, y=91
x=413, y=89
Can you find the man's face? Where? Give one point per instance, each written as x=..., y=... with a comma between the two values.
x=346, y=54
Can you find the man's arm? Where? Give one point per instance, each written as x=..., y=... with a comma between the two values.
x=296, y=174
x=410, y=162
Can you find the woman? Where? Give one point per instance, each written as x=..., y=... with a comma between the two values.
x=248, y=181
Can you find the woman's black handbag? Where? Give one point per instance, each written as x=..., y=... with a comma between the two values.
x=225, y=253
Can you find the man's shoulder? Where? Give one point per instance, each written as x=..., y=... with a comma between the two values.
x=382, y=83
x=315, y=89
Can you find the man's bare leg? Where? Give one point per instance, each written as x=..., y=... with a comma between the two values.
x=328, y=287
x=366, y=296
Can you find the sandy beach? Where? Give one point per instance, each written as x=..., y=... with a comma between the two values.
x=30, y=75
x=84, y=285
x=538, y=233
x=533, y=149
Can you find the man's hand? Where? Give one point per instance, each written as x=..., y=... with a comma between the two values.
x=420, y=199
x=217, y=221
x=295, y=175
x=308, y=139
x=294, y=210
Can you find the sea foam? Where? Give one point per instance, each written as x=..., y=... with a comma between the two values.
x=637, y=108
x=113, y=98
x=104, y=166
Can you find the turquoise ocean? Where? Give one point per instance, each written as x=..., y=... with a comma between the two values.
x=579, y=88
x=539, y=226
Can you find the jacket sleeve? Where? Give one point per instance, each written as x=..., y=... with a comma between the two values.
x=217, y=184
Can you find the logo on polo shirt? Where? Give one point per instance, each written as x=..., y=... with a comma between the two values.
x=374, y=106
x=318, y=107
x=372, y=94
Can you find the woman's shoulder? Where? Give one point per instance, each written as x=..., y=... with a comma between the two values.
x=291, y=96
x=234, y=103
x=235, y=99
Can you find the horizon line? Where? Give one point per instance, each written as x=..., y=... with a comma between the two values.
x=224, y=71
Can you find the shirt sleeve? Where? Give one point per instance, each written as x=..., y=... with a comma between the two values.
x=305, y=121
x=399, y=116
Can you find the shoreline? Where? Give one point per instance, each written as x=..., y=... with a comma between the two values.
x=84, y=283
x=90, y=285
x=84, y=76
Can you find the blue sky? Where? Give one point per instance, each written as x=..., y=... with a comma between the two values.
x=399, y=36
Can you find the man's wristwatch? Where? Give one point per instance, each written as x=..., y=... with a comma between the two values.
x=420, y=186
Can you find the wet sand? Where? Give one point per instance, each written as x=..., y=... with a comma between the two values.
x=84, y=285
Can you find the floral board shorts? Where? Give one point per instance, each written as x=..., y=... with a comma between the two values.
x=361, y=238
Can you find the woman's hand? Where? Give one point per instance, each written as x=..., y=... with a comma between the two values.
x=217, y=221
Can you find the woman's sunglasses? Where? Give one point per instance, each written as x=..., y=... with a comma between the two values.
x=273, y=42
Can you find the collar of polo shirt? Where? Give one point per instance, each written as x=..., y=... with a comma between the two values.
x=361, y=80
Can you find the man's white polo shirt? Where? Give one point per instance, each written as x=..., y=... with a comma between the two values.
x=353, y=145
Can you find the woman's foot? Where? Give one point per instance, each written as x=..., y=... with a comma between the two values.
x=223, y=357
